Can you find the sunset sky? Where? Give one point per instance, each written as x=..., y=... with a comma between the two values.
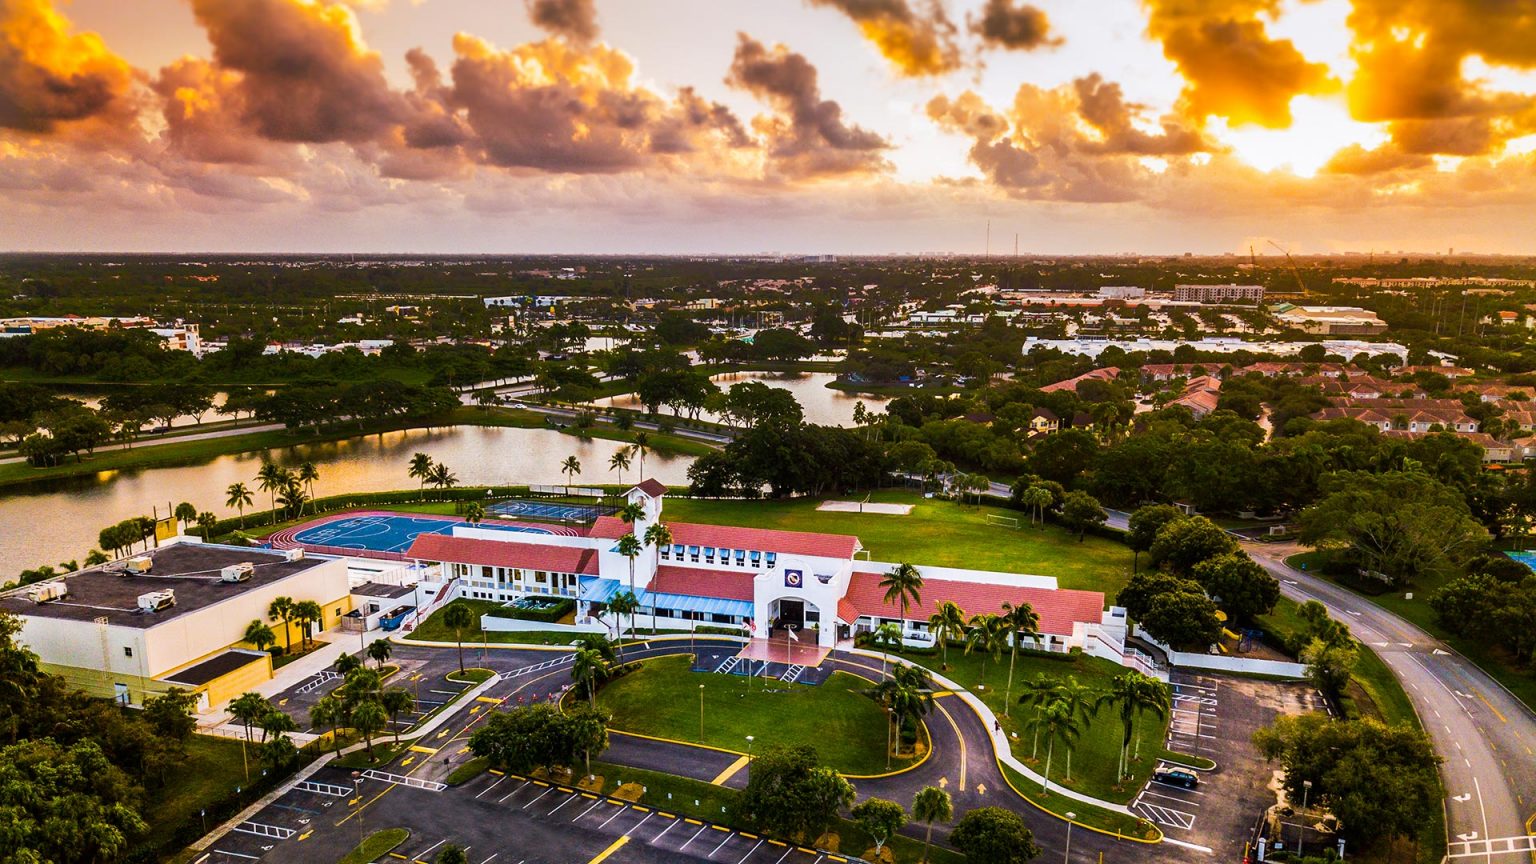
x=845, y=126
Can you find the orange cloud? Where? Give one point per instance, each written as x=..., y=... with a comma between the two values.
x=1020, y=28
x=916, y=43
x=49, y=75
x=1231, y=65
x=573, y=19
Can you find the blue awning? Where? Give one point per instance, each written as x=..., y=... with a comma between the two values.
x=597, y=590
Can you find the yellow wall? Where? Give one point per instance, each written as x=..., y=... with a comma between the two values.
x=227, y=687
x=101, y=684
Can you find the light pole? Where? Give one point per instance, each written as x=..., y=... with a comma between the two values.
x=701, y=713
x=749, y=748
x=357, y=787
x=1068, y=854
x=1306, y=789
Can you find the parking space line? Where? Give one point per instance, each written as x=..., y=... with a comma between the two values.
x=588, y=810
x=492, y=786
x=728, y=836
x=617, y=811
x=694, y=837
x=568, y=799
x=1170, y=797
x=423, y=853
x=638, y=824
x=749, y=853
x=536, y=800
x=785, y=855
x=670, y=826
x=238, y=855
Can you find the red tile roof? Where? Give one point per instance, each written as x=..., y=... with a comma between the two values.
x=652, y=487
x=504, y=553
x=1058, y=609
x=702, y=582
x=736, y=537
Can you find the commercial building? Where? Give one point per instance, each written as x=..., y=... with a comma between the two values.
x=1330, y=320
x=759, y=580
x=173, y=617
x=1218, y=293
x=1122, y=292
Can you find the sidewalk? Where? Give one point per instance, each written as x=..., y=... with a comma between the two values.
x=337, y=642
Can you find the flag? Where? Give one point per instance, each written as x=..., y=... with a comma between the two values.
x=749, y=626
x=791, y=632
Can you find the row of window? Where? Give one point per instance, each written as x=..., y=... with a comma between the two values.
x=699, y=616
x=725, y=557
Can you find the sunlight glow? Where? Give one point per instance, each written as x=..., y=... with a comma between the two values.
x=1321, y=128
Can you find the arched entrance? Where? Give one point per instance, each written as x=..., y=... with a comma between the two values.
x=797, y=613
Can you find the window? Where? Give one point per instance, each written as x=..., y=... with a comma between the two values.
x=665, y=552
x=693, y=554
x=773, y=558
x=677, y=551
x=709, y=554
x=485, y=572
x=757, y=557
x=741, y=557
x=127, y=650
x=721, y=619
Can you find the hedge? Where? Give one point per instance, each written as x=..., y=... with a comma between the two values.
x=562, y=607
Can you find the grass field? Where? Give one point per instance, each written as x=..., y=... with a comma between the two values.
x=434, y=630
x=1488, y=657
x=211, y=771
x=1097, y=753
x=662, y=699
x=941, y=533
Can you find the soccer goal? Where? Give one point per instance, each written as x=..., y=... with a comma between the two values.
x=1005, y=521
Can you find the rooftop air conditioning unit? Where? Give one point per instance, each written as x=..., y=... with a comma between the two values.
x=141, y=564
x=294, y=554
x=237, y=572
x=156, y=601
x=45, y=591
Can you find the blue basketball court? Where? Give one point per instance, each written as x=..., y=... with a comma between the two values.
x=552, y=511
x=387, y=533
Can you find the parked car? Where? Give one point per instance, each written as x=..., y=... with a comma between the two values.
x=1177, y=777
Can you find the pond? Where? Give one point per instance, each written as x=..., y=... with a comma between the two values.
x=822, y=405
x=59, y=520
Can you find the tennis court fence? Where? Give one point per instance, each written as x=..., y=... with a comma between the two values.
x=571, y=491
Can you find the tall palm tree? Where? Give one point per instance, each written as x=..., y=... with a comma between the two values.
x=1078, y=697
x=239, y=498
x=658, y=535
x=908, y=693
x=986, y=636
x=621, y=604
x=947, y=625
x=1133, y=693
x=586, y=666
x=442, y=477
x=458, y=618
x=292, y=497
x=619, y=462
x=570, y=468
x=1022, y=622
x=309, y=613
x=346, y=664
x=1057, y=720
x=259, y=635
x=184, y=513
x=327, y=712
x=307, y=475
x=631, y=513
x=281, y=608
x=1036, y=498
x=379, y=651
x=930, y=805
x=1037, y=693
x=368, y=718
x=642, y=444
x=421, y=470
x=904, y=587
x=271, y=479
x=247, y=709
x=397, y=701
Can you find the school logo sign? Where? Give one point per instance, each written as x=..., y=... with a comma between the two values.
x=793, y=578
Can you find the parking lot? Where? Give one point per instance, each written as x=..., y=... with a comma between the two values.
x=1214, y=717
x=497, y=818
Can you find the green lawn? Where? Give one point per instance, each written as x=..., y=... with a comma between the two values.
x=376, y=846
x=1488, y=657
x=1097, y=753
x=662, y=699
x=941, y=533
x=434, y=630
x=211, y=771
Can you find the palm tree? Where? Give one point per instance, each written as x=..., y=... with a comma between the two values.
x=903, y=586
x=346, y=664
x=259, y=635
x=247, y=709
x=458, y=618
x=986, y=636
x=1079, y=698
x=368, y=718
x=271, y=478
x=1133, y=693
x=658, y=535
x=885, y=637
x=1058, y=720
x=309, y=613
x=947, y=625
x=206, y=522
x=621, y=604
x=1021, y=621
x=586, y=666
x=421, y=469
x=619, y=462
x=239, y=498
x=908, y=693
x=630, y=547
x=631, y=513
x=442, y=477
x=281, y=609
x=379, y=651
x=1037, y=693
x=293, y=497
x=307, y=475
x=642, y=444
x=184, y=513
x=327, y=712
x=930, y=805
x=397, y=701
x=570, y=468
x=1037, y=498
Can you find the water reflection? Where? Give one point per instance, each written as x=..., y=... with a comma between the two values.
x=823, y=405
x=59, y=520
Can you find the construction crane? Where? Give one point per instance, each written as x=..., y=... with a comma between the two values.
x=1292, y=264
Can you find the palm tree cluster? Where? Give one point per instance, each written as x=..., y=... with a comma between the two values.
x=907, y=697
x=630, y=546
x=253, y=711
x=362, y=703
x=288, y=487
x=1064, y=708
x=425, y=470
x=304, y=613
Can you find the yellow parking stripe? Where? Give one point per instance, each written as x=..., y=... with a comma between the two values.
x=603, y=855
x=730, y=770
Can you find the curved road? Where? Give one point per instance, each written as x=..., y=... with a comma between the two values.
x=1485, y=735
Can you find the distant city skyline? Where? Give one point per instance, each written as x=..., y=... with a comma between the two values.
x=848, y=127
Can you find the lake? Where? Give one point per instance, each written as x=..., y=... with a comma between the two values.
x=60, y=520
x=822, y=405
